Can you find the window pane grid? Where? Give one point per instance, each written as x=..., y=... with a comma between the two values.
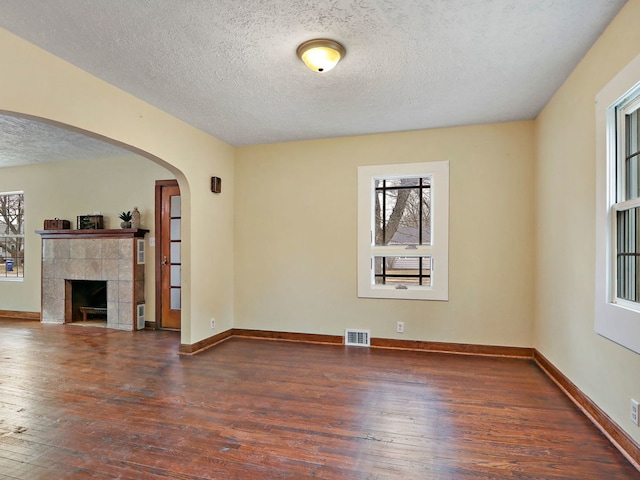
x=631, y=156
x=397, y=270
x=11, y=235
x=403, y=211
x=399, y=239
x=628, y=254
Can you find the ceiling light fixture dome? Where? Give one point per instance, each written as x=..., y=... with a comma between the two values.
x=321, y=54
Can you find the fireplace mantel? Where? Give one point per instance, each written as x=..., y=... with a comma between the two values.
x=94, y=233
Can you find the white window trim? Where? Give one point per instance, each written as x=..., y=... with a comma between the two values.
x=24, y=239
x=615, y=319
x=439, y=248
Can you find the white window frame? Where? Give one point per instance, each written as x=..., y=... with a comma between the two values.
x=4, y=278
x=438, y=250
x=615, y=319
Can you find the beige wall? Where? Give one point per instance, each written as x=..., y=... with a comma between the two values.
x=565, y=229
x=296, y=209
x=68, y=189
x=35, y=83
x=521, y=234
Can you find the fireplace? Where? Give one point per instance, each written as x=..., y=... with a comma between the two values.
x=110, y=261
x=85, y=300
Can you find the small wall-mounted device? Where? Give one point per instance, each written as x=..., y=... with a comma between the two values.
x=140, y=314
x=216, y=184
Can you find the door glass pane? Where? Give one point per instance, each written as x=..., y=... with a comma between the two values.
x=175, y=298
x=175, y=252
x=175, y=275
x=175, y=206
x=175, y=229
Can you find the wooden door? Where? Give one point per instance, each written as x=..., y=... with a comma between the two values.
x=168, y=255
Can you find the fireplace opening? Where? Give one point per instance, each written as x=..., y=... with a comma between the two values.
x=86, y=302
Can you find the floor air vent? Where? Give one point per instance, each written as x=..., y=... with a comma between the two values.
x=358, y=338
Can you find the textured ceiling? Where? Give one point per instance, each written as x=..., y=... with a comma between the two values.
x=24, y=141
x=230, y=68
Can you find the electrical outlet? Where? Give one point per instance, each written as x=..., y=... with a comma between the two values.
x=634, y=411
x=213, y=323
x=400, y=327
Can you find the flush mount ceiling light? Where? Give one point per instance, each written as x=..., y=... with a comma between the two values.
x=321, y=54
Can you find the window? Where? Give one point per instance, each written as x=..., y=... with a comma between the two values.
x=626, y=204
x=617, y=294
x=11, y=235
x=403, y=229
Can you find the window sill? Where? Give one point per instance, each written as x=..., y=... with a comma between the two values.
x=409, y=293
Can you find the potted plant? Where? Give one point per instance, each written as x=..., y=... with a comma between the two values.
x=126, y=219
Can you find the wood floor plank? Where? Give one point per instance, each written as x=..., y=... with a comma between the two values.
x=81, y=402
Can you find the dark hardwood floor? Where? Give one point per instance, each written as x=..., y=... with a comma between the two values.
x=80, y=402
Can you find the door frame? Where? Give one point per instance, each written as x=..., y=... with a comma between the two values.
x=160, y=184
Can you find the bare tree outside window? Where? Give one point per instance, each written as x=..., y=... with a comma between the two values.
x=403, y=217
x=403, y=211
x=12, y=235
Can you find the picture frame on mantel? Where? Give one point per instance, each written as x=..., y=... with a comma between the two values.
x=90, y=222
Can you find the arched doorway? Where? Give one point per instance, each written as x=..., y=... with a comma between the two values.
x=66, y=173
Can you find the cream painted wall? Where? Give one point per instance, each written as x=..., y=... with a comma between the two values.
x=565, y=223
x=295, y=217
x=36, y=83
x=68, y=189
x=296, y=208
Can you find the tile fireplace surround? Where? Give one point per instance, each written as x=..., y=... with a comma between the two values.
x=106, y=255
